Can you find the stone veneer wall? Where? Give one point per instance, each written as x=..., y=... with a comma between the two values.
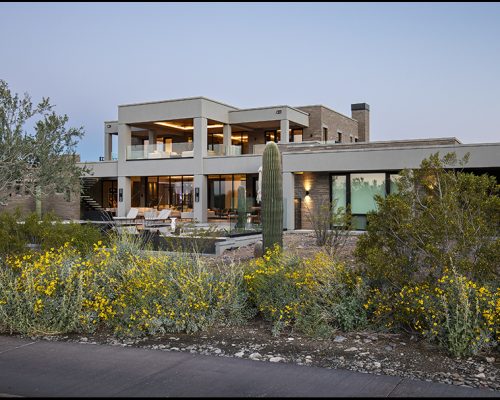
x=320, y=116
x=56, y=203
x=319, y=189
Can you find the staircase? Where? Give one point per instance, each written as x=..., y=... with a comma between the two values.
x=89, y=206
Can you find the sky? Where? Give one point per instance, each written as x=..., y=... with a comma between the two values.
x=427, y=70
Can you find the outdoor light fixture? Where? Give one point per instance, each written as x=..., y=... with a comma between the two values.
x=307, y=193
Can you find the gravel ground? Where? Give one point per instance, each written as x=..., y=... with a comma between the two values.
x=370, y=352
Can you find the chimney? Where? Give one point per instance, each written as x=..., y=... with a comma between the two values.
x=361, y=113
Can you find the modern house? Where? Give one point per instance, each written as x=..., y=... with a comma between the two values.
x=192, y=154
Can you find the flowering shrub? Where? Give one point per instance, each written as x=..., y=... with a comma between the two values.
x=459, y=314
x=43, y=294
x=316, y=295
x=61, y=291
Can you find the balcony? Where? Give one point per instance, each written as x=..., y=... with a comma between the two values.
x=218, y=150
x=160, y=151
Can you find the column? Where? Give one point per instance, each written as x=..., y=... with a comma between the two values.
x=285, y=126
x=227, y=139
x=200, y=200
x=288, y=201
x=124, y=201
x=200, y=143
x=108, y=146
x=124, y=140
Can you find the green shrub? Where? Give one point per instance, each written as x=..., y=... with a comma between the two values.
x=47, y=233
x=439, y=217
x=459, y=314
x=316, y=296
x=119, y=289
x=42, y=294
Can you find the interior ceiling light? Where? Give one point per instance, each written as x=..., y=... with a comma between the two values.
x=186, y=128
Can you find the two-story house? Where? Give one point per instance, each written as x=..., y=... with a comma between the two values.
x=191, y=155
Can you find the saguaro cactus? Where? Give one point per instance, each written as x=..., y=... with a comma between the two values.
x=272, y=197
x=242, y=208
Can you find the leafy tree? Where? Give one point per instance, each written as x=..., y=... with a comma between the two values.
x=43, y=159
x=441, y=218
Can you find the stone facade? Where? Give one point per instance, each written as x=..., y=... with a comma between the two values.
x=323, y=117
x=317, y=183
x=56, y=203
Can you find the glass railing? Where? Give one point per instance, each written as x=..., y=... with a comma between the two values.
x=155, y=151
x=216, y=150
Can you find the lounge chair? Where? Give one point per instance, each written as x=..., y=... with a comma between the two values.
x=130, y=218
x=153, y=220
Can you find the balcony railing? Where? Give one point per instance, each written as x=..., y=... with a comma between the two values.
x=216, y=150
x=155, y=151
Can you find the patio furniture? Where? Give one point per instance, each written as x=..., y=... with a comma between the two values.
x=129, y=219
x=154, y=220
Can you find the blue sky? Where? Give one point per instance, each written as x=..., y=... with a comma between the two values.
x=426, y=69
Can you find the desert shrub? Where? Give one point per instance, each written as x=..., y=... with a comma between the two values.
x=46, y=233
x=316, y=296
x=459, y=314
x=43, y=293
x=439, y=217
x=117, y=288
x=331, y=225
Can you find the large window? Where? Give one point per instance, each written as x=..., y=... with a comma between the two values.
x=272, y=136
x=175, y=192
x=364, y=187
x=339, y=191
x=223, y=194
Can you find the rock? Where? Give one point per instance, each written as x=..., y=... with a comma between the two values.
x=350, y=349
x=490, y=360
x=255, y=356
x=240, y=354
x=217, y=351
x=480, y=369
x=388, y=348
x=174, y=349
x=276, y=359
x=290, y=338
x=480, y=376
x=377, y=365
x=339, y=339
x=84, y=339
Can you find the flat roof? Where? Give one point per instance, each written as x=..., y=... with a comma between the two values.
x=173, y=100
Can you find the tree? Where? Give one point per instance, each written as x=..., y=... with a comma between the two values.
x=441, y=218
x=42, y=159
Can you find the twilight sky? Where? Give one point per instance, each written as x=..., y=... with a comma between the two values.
x=427, y=70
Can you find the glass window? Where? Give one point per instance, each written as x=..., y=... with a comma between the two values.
x=176, y=189
x=296, y=136
x=187, y=193
x=394, y=179
x=163, y=192
x=339, y=191
x=272, y=136
x=364, y=187
x=136, y=191
x=152, y=192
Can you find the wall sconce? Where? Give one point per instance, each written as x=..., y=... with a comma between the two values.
x=307, y=193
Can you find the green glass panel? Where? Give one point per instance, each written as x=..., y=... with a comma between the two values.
x=339, y=191
x=364, y=187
